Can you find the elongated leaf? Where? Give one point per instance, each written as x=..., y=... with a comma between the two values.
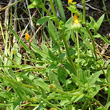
x=39, y=51
x=53, y=79
x=108, y=73
x=93, y=78
x=54, y=34
x=61, y=10
x=39, y=82
x=103, y=38
x=52, y=30
x=99, y=22
x=76, y=98
x=43, y=20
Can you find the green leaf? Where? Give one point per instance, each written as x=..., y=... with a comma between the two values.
x=12, y=73
x=87, y=43
x=36, y=49
x=96, y=89
x=108, y=73
x=43, y=20
x=77, y=97
x=31, y=6
x=93, y=78
x=52, y=55
x=5, y=94
x=64, y=102
x=69, y=23
x=61, y=10
x=35, y=3
x=82, y=76
x=53, y=79
x=92, y=23
x=52, y=30
x=99, y=22
x=103, y=38
x=39, y=82
x=54, y=34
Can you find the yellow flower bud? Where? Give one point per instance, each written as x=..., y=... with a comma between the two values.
x=52, y=86
x=27, y=37
x=71, y=2
x=76, y=25
x=75, y=19
x=13, y=51
x=32, y=99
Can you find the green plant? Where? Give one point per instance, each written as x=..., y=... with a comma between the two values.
x=59, y=75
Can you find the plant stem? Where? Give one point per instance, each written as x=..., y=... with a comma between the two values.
x=68, y=53
x=98, y=102
x=54, y=13
x=93, y=43
x=78, y=48
x=43, y=7
x=50, y=104
x=105, y=9
x=84, y=11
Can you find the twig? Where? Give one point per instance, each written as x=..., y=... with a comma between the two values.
x=7, y=13
x=9, y=5
x=31, y=23
x=15, y=21
x=27, y=25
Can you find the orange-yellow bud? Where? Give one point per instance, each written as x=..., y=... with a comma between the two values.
x=70, y=1
x=76, y=25
x=51, y=86
x=13, y=51
x=27, y=37
x=32, y=99
x=75, y=18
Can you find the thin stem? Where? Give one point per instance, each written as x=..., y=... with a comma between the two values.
x=78, y=48
x=105, y=9
x=93, y=43
x=98, y=102
x=108, y=98
x=53, y=10
x=83, y=107
x=43, y=7
x=91, y=108
x=69, y=56
x=84, y=11
x=50, y=104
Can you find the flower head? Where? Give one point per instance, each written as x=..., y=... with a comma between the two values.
x=27, y=37
x=76, y=25
x=75, y=19
x=71, y=2
x=51, y=86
